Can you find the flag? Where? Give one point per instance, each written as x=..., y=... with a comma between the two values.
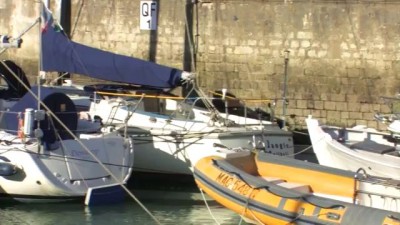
x=46, y=18
x=47, y=21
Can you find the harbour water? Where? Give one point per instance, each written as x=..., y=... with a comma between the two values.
x=129, y=212
x=169, y=201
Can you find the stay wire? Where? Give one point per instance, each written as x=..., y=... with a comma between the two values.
x=90, y=153
x=206, y=101
x=81, y=143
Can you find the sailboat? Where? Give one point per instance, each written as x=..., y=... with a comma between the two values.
x=163, y=144
x=168, y=145
x=48, y=153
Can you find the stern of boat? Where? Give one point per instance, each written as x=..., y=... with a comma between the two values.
x=66, y=172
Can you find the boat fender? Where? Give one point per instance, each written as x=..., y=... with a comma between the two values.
x=28, y=122
x=20, y=131
x=7, y=169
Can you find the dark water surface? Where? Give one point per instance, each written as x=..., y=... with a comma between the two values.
x=165, y=212
x=177, y=204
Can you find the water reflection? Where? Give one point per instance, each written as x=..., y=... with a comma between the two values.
x=166, y=212
x=36, y=214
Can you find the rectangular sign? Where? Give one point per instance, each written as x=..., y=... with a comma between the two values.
x=148, y=15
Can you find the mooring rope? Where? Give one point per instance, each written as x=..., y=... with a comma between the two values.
x=208, y=207
x=81, y=143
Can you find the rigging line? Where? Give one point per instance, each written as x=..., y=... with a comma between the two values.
x=181, y=134
x=189, y=37
x=67, y=157
x=240, y=99
x=69, y=169
x=309, y=147
x=208, y=207
x=163, y=140
x=140, y=95
x=187, y=97
x=356, y=37
x=23, y=33
x=249, y=209
x=302, y=133
x=175, y=140
x=184, y=100
x=81, y=143
x=297, y=153
x=77, y=18
x=206, y=101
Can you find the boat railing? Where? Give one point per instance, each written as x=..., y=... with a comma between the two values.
x=394, y=104
x=357, y=129
x=20, y=117
x=185, y=108
x=147, y=96
x=386, y=118
x=136, y=103
x=376, y=191
x=242, y=102
x=133, y=106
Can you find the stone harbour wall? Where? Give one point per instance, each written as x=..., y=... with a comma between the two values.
x=344, y=55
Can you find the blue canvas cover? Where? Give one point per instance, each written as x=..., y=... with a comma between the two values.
x=63, y=55
x=59, y=103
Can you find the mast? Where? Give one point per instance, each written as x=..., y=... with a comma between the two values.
x=285, y=89
x=40, y=50
x=38, y=133
x=64, y=17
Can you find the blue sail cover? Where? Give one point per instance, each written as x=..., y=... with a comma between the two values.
x=63, y=55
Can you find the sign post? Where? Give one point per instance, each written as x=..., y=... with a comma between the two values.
x=148, y=15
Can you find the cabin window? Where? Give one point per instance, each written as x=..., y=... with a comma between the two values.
x=3, y=83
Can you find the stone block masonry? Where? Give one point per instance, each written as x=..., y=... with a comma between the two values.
x=344, y=55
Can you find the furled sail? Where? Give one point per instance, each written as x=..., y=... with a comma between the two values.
x=63, y=55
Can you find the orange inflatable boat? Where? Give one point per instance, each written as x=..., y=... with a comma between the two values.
x=268, y=189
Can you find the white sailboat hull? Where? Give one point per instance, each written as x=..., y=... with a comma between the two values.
x=176, y=154
x=352, y=149
x=166, y=145
x=67, y=172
